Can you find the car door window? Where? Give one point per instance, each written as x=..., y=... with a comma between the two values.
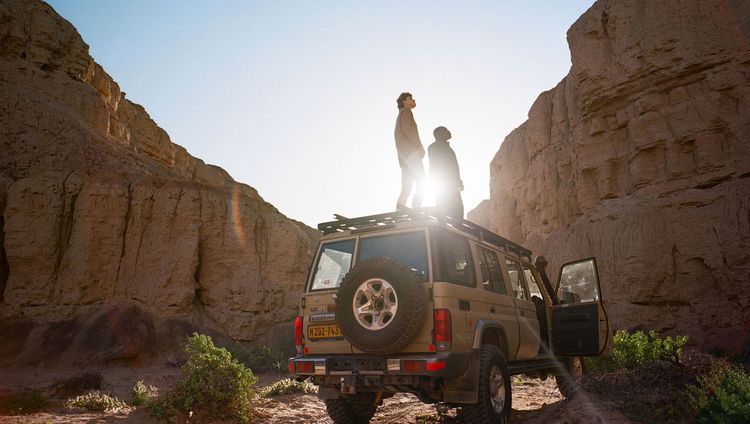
x=492, y=277
x=516, y=279
x=579, y=282
x=455, y=259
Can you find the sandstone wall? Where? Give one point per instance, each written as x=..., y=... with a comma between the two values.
x=640, y=156
x=101, y=211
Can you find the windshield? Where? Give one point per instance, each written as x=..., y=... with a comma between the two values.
x=407, y=248
x=333, y=263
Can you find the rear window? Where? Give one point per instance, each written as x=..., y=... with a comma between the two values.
x=408, y=248
x=332, y=265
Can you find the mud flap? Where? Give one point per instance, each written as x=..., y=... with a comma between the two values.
x=464, y=388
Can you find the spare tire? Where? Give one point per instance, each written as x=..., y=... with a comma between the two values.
x=381, y=306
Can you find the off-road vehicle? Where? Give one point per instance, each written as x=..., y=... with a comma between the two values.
x=441, y=308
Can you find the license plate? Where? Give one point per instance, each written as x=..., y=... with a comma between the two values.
x=329, y=331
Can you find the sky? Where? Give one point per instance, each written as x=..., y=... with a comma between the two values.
x=298, y=98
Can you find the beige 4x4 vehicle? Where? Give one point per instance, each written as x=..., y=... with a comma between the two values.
x=446, y=310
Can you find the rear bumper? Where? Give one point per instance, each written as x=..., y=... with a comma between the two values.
x=430, y=365
x=446, y=377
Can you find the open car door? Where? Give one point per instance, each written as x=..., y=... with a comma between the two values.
x=579, y=322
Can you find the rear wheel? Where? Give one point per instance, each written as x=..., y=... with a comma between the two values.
x=569, y=376
x=494, y=399
x=358, y=409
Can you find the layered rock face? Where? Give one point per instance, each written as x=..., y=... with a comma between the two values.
x=641, y=157
x=102, y=215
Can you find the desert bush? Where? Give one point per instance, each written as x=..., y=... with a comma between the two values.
x=287, y=386
x=96, y=401
x=29, y=401
x=652, y=393
x=644, y=376
x=211, y=381
x=721, y=396
x=259, y=358
x=141, y=393
x=637, y=350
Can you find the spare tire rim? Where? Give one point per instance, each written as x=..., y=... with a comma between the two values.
x=497, y=389
x=375, y=304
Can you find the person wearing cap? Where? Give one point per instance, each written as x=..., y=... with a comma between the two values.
x=445, y=176
x=410, y=153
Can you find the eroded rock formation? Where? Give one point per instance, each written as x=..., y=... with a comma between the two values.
x=640, y=156
x=102, y=212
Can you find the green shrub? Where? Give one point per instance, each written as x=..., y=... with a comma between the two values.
x=259, y=358
x=722, y=396
x=644, y=376
x=211, y=381
x=637, y=350
x=142, y=393
x=288, y=386
x=96, y=401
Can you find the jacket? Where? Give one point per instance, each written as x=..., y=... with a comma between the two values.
x=407, y=136
x=444, y=167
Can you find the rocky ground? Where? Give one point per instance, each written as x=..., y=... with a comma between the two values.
x=534, y=401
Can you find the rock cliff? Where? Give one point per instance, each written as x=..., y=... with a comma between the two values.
x=640, y=156
x=104, y=218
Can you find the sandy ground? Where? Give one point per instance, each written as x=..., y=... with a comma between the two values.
x=534, y=401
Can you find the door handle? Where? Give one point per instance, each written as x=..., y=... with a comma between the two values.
x=492, y=309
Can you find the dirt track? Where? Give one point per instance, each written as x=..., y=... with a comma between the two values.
x=534, y=401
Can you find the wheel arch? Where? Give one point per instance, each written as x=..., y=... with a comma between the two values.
x=491, y=332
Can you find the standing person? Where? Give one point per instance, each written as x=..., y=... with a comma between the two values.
x=410, y=152
x=445, y=175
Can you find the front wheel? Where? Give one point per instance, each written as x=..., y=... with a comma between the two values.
x=569, y=376
x=494, y=399
x=358, y=409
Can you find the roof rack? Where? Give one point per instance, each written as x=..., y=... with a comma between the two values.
x=423, y=214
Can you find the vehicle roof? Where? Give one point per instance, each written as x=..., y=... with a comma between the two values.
x=412, y=218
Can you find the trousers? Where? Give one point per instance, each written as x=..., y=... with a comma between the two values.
x=412, y=172
x=450, y=203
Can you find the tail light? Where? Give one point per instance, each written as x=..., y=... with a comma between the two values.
x=305, y=367
x=443, y=329
x=298, y=337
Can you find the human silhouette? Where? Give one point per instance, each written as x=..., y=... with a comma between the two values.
x=445, y=175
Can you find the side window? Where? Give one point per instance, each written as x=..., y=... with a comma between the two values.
x=333, y=263
x=455, y=259
x=516, y=279
x=531, y=281
x=492, y=277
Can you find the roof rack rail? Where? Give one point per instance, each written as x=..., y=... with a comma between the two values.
x=423, y=214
